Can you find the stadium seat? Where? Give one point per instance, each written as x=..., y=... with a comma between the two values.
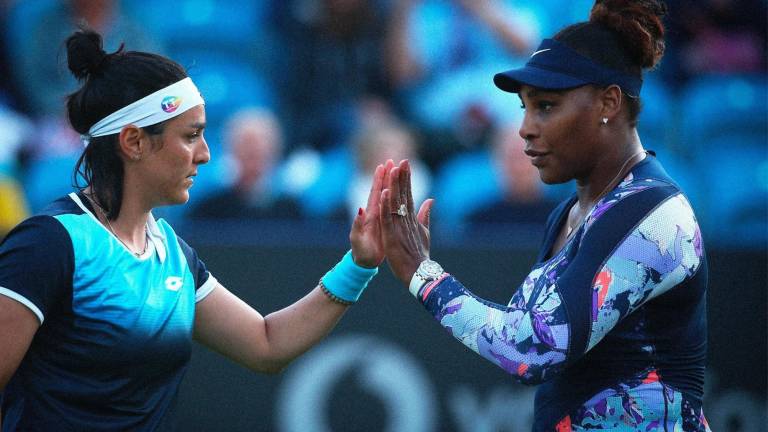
x=203, y=23
x=720, y=106
x=22, y=18
x=556, y=14
x=683, y=171
x=463, y=184
x=657, y=114
x=735, y=174
x=227, y=84
x=48, y=179
x=459, y=57
x=724, y=129
x=329, y=189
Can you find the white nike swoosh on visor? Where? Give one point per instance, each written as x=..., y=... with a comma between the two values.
x=540, y=51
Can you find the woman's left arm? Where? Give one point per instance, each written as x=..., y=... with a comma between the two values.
x=231, y=327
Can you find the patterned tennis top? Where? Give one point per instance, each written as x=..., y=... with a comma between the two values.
x=612, y=326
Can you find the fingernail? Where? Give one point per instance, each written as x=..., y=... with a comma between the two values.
x=359, y=211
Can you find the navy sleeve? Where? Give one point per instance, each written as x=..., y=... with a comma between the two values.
x=36, y=264
x=196, y=265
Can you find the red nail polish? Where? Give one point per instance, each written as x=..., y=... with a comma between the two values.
x=359, y=211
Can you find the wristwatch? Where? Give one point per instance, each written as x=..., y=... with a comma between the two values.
x=427, y=271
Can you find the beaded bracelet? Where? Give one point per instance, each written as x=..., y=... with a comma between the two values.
x=333, y=297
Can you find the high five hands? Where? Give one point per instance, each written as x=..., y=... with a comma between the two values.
x=390, y=227
x=365, y=235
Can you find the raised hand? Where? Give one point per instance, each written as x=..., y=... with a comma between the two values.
x=365, y=235
x=405, y=234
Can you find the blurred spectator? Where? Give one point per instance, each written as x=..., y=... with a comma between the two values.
x=334, y=183
x=16, y=131
x=441, y=56
x=8, y=94
x=36, y=33
x=254, y=144
x=13, y=204
x=716, y=36
x=332, y=60
x=47, y=160
x=37, y=30
x=53, y=137
x=523, y=200
x=374, y=144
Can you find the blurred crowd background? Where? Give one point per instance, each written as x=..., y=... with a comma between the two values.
x=305, y=97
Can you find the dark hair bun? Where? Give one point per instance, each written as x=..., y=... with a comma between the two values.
x=638, y=22
x=85, y=53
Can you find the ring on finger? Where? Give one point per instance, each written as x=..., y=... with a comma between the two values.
x=401, y=211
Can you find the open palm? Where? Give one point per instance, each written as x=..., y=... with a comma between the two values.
x=365, y=235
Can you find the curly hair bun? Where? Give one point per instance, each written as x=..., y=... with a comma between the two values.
x=85, y=53
x=638, y=23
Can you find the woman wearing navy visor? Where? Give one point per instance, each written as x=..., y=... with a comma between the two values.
x=99, y=302
x=610, y=322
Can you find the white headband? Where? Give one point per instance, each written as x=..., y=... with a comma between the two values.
x=161, y=105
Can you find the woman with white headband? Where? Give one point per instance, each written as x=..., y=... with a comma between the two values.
x=99, y=301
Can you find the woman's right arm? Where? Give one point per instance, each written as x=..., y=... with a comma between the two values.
x=269, y=343
x=36, y=265
x=643, y=247
x=17, y=328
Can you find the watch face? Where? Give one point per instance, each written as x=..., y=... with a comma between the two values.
x=430, y=269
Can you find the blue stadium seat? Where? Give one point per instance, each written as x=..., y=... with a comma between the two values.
x=329, y=189
x=735, y=171
x=556, y=14
x=22, y=18
x=724, y=129
x=202, y=22
x=20, y=23
x=463, y=184
x=720, y=106
x=683, y=171
x=48, y=179
x=455, y=83
x=243, y=31
x=657, y=114
x=227, y=84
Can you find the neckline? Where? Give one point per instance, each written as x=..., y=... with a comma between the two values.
x=565, y=207
x=85, y=204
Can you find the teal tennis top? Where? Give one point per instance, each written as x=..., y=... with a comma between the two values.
x=116, y=329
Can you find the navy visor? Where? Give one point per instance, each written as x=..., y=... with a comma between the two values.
x=554, y=66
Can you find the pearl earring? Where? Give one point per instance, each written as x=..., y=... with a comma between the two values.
x=605, y=120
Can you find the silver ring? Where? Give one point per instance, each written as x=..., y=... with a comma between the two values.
x=401, y=211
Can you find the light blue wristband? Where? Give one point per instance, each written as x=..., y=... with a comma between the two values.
x=347, y=280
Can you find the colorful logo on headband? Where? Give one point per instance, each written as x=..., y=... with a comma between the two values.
x=170, y=103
